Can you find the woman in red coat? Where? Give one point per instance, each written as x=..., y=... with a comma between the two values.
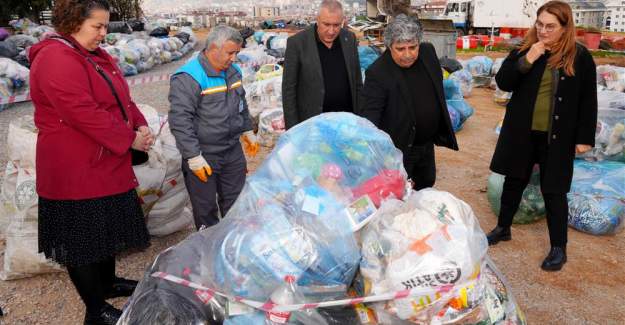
x=88, y=207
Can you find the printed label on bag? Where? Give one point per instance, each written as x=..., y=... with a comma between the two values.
x=360, y=212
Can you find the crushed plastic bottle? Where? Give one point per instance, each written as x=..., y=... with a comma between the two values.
x=284, y=295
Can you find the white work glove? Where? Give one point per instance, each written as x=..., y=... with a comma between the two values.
x=250, y=143
x=200, y=168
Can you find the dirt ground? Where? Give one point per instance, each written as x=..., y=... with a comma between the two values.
x=589, y=290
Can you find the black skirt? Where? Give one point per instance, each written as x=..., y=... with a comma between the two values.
x=80, y=232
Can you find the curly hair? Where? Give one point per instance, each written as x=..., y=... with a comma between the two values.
x=68, y=15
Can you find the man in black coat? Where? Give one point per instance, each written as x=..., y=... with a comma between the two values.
x=321, y=68
x=403, y=96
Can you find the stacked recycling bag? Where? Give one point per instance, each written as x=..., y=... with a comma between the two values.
x=500, y=97
x=304, y=225
x=610, y=134
x=459, y=109
x=532, y=207
x=13, y=79
x=161, y=190
x=139, y=52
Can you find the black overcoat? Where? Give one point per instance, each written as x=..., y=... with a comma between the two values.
x=387, y=100
x=573, y=118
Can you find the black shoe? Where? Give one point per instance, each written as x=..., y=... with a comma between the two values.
x=108, y=315
x=121, y=288
x=555, y=260
x=498, y=234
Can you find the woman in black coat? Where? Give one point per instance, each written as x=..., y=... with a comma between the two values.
x=551, y=116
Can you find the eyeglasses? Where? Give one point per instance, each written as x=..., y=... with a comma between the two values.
x=547, y=28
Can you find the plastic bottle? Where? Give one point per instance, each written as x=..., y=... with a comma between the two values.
x=284, y=295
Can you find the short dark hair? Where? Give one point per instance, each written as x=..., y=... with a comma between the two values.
x=68, y=15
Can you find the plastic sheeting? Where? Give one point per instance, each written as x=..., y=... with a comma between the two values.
x=433, y=241
x=295, y=216
x=532, y=207
x=597, y=197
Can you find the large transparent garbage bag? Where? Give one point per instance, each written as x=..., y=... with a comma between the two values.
x=465, y=79
x=612, y=77
x=597, y=197
x=270, y=126
x=610, y=133
x=480, y=65
x=297, y=215
x=263, y=94
x=532, y=207
x=501, y=97
x=433, y=242
x=430, y=241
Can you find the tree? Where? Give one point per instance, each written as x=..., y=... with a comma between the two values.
x=125, y=9
x=30, y=9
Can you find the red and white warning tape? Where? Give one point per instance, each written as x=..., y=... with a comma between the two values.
x=206, y=294
x=131, y=82
x=15, y=99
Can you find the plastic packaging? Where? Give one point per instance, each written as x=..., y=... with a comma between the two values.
x=610, y=133
x=480, y=65
x=532, y=207
x=465, y=80
x=597, y=197
x=296, y=215
x=433, y=241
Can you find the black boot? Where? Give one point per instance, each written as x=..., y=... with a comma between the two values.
x=498, y=234
x=108, y=315
x=121, y=288
x=555, y=260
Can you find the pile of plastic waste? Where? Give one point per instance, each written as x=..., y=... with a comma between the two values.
x=367, y=55
x=138, y=52
x=14, y=79
x=532, y=207
x=610, y=134
x=430, y=241
x=501, y=97
x=161, y=190
x=324, y=205
x=459, y=109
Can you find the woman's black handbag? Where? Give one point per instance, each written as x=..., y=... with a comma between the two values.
x=138, y=157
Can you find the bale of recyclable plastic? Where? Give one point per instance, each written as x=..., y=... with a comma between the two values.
x=480, y=65
x=19, y=205
x=184, y=37
x=532, y=207
x=161, y=189
x=296, y=216
x=450, y=65
x=159, y=32
x=270, y=126
x=465, y=80
x=597, y=197
x=496, y=66
x=3, y=34
x=433, y=242
x=22, y=41
x=136, y=25
x=8, y=50
x=119, y=27
x=610, y=133
x=612, y=77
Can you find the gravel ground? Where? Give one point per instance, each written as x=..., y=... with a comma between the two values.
x=589, y=290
